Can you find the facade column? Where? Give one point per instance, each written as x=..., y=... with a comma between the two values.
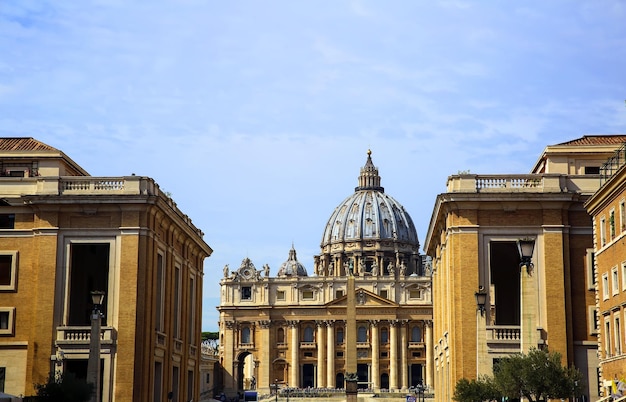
x=294, y=372
x=330, y=354
x=321, y=359
x=403, y=355
x=430, y=378
x=393, y=355
x=263, y=364
x=375, y=378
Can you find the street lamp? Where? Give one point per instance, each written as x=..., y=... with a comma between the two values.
x=276, y=388
x=526, y=247
x=481, y=299
x=419, y=390
x=93, y=364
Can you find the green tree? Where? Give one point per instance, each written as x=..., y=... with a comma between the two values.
x=482, y=389
x=538, y=376
x=66, y=388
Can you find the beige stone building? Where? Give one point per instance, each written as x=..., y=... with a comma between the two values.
x=289, y=328
x=63, y=234
x=608, y=209
x=472, y=238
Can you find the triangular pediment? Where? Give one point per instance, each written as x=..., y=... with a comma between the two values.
x=364, y=298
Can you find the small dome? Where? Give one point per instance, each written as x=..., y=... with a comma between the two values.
x=369, y=214
x=292, y=266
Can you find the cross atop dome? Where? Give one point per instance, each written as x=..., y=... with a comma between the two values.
x=369, y=178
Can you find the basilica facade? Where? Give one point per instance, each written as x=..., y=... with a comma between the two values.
x=288, y=329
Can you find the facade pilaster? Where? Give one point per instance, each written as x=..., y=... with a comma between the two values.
x=263, y=363
x=229, y=351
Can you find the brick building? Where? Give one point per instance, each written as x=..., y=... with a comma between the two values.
x=472, y=238
x=63, y=234
x=608, y=210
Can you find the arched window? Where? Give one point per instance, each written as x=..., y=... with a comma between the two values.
x=416, y=334
x=308, y=334
x=362, y=334
x=280, y=335
x=339, y=335
x=245, y=335
x=384, y=335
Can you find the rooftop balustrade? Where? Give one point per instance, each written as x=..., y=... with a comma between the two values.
x=523, y=183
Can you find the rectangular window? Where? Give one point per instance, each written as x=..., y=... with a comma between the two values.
x=592, y=169
x=384, y=294
x=622, y=215
x=177, y=292
x=8, y=270
x=624, y=275
x=160, y=293
x=7, y=320
x=602, y=231
x=607, y=337
x=190, y=382
x=605, y=286
x=590, y=269
x=246, y=293
x=339, y=294
x=192, y=311
x=618, y=336
x=592, y=316
x=615, y=281
x=158, y=381
x=3, y=375
x=7, y=221
x=175, y=382
x=612, y=223
x=415, y=294
x=280, y=295
x=307, y=295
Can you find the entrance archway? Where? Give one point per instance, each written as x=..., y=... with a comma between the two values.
x=245, y=371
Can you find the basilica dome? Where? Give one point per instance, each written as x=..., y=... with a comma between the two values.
x=292, y=267
x=369, y=214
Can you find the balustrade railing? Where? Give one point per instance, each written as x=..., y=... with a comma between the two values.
x=529, y=183
x=503, y=333
x=82, y=335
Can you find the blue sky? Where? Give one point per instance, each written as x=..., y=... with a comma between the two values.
x=257, y=115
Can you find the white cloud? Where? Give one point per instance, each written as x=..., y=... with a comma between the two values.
x=257, y=117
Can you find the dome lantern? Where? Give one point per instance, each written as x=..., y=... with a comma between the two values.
x=369, y=178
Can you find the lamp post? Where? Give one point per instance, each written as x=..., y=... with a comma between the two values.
x=419, y=390
x=481, y=299
x=528, y=296
x=276, y=388
x=93, y=364
x=526, y=247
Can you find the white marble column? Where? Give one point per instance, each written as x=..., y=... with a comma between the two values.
x=403, y=355
x=330, y=354
x=393, y=356
x=375, y=379
x=321, y=359
x=430, y=379
x=294, y=370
